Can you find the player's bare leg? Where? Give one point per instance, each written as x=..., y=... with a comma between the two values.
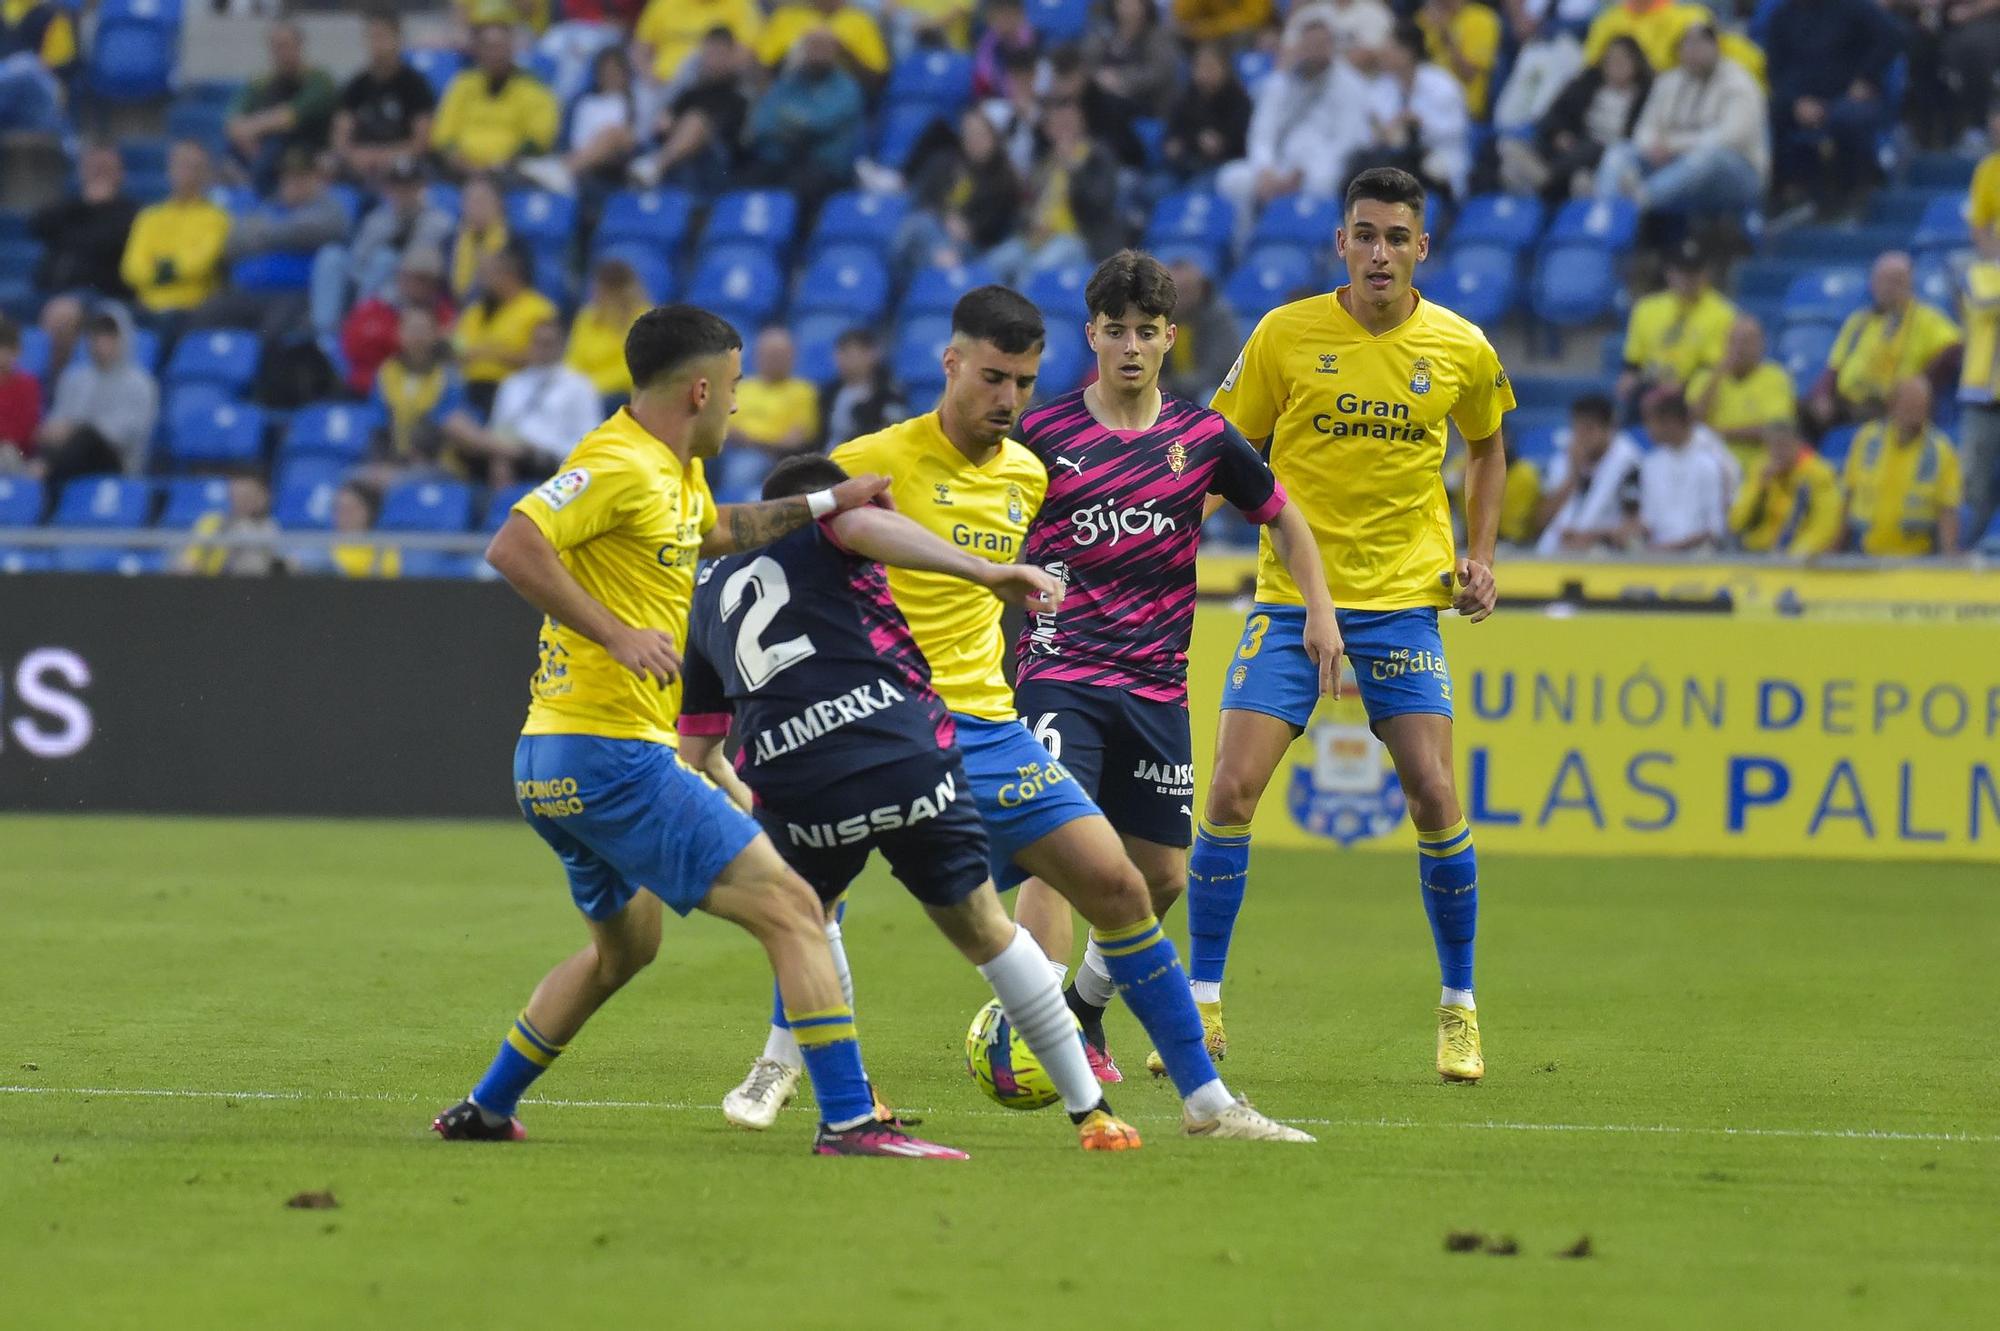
x=774, y=1075
x=1420, y=746
x=1085, y=862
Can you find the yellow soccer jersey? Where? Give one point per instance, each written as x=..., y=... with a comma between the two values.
x=985, y=509
x=628, y=524
x=1357, y=430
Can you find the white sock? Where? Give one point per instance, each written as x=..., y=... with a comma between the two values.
x=1033, y=1002
x=1458, y=998
x=781, y=1046
x=1209, y=1100
x=1093, y=980
x=839, y=951
x=1206, y=991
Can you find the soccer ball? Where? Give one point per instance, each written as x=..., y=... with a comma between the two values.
x=1003, y=1065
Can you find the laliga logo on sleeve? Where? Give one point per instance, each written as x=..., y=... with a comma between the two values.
x=557, y=491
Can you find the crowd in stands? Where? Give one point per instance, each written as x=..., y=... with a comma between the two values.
x=395, y=294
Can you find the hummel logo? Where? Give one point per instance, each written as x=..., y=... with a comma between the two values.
x=1071, y=463
x=1327, y=363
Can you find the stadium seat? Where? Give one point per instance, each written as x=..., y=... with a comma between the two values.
x=309, y=470
x=654, y=270
x=18, y=559
x=1610, y=223
x=20, y=501
x=845, y=280
x=1479, y=281
x=652, y=217
x=1058, y=293
x=741, y=279
x=739, y=475
x=1207, y=258
x=1944, y=226
x=1989, y=542
x=1152, y=134
x=331, y=429
x=274, y=271
x=445, y=565
x=1802, y=349
x=445, y=197
x=540, y=219
x=1538, y=443
x=1833, y=445
x=501, y=503
x=1553, y=392
x=815, y=336
x=33, y=358
x=1827, y=295
x=132, y=57
x=1266, y=281
x=145, y=345
x=759, y=216
x=935, y=290
x=554, y=276
x=18, y=261
x=899, y=128
x=933, y=76
x=1066, y=359
x=1057, y=22
x=1510, y=221
x=304, y=503
x=1192, y=216
x=859, y=217
x=920, y=344
x=1573, y=284
x=438, y=65
x=225, y=357
x=1934, y=282
x=1253, y=66
x=1298, y=219
x=143, y=154
x=106, y=559
x=192, y=498
x=205, y=431
x=101, y=503
x=427, y=506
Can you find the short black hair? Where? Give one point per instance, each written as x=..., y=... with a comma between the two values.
x=1129, y=280
x=1408, y=35
x=103, y=324
x=803, y=474
x=1593, y=407
x=1666, y=401
x=384, y=13
x=1000, y=315
x=666, y=338
x=10, y=333
x=859, y=336
x=1386, y=184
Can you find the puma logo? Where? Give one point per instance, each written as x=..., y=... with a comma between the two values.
x=1071, y=463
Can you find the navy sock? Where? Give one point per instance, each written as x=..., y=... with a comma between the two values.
x=1218, y=871
x=1449, y=871
x=1147, y=971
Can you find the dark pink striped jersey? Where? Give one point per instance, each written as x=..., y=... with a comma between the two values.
x=1121, y=524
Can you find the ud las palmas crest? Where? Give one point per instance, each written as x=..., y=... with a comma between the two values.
x=1420, y=376
x=1016, y=511
x=1348, y=790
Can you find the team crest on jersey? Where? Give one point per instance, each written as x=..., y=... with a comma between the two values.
x=1017, y=511
x=1238, y=675
x=1420, y=376
x=1177, y=457
x=1348, y=792
x=941, y=493
x=557, y=491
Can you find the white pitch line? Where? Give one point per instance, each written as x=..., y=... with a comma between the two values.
x=1395, y=1124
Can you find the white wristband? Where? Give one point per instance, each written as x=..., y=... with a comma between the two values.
x=820, y=503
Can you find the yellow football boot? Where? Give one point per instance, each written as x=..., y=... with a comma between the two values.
x=1103, y=1130
x=1459, y=1058
x=1212, y=1035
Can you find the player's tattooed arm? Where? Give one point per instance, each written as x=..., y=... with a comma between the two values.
x=747, y=526
x=892, y=539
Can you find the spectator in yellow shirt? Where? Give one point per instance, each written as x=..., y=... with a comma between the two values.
x=1893, y=337
x=597, y=338
x=1982, y=204
x=673, y=29
x=776, y=412
x=1674, y=334
x=173, y=258
x=1657, y=25
x=1211, y=20
x=1979, y=385
x=495, y=332
x=861, y=44
x=1903, y=482
x=1465, y=39
x=495, y=113
x=1792, y=505
x=482, y=230
x=354, y=511
x=1744, y=395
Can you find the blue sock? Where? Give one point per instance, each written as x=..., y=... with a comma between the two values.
x=1450, y=874
x=1217, y=872
x=778, y=1008
x=524, y=1055
x=833, y=1061
x=1147, y=971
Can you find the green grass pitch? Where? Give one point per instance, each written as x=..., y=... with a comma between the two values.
x=1765, y=1093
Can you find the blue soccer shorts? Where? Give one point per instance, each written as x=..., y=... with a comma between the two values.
x=1023, y=794
x=1397, y=654
x=1132, y=756
x=625, y=814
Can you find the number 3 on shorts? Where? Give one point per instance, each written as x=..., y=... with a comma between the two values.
x=1050, y=738
x=1253, y=637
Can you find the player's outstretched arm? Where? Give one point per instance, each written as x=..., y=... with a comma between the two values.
x=522, y=555
x=746, y=526
x=890, y=538
x=1292, y=541
x=1485, y=484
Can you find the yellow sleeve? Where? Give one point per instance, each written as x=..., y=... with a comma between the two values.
x=864, y=41
x=1253, y=393
x=1598, y=37
x=746, y=22
x=59, y=42
x=450, y=122
x=1820, y=531
x=205, y=245
x=1938, y=335
x=1479, y=36
x=1950, y=482
x=137, y=265
x=1784, y=404
x=540, y=117
x=857, y=458
x=1697, y=389
x=1487, y=396
x=584, y=501
x=776, y=39
x=1850, y=471
x=1637, y=335
x=1843, y=342
x=1983, y=208
x=1744, y=509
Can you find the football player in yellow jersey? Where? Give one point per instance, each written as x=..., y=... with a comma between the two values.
x=957, y=473
x=1353, y=389
x=606, y=550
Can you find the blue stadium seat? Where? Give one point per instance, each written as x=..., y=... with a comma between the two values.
x=1833, y=445
x=553, y=276
x=442, y=565
x=858, y=217
x=815, y=335
x=20, y=501
x=225, y=357
x=146, y=348
x=1611, y=357
x=192, y=498
x=740, y=278
x=427, y=506
x=1478, y=282
x=920, y=342
x=1253, y=66
x=1553, y=392
x=204, y=431
x=1802, y=349
x=1057, y=22
x=143, y=154
x=15, y=559
x=652, y=217
x=501, y=503
x=739, y=475
x=132, y=57
x=34, y=358
x=274, y=271
x=1266, y=281
x=1989, y=543
x=935, y=290
x=108, y=560
x=1827, y=295
x=445, y=197
x=1934, y=282
x=1298, y=219
x=764, y=217
x=311, y=469
x=1537, y=443
x=304, y=503
x=1610, y=223
x=1066, y=359
x=1208, y=258
x=1511, y=221
x=153, y=11
x=1192, y=216
x=655, y=271
x=899, y=127
x=1058, y=294
x=331, y=429
x=1573, y=284
x=103, y=503
x=18, y=260
x=844, y=280
x=438, y=65
x=1152, y=134
x=540, y=219
x=933, y=76
x=1944, y=225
